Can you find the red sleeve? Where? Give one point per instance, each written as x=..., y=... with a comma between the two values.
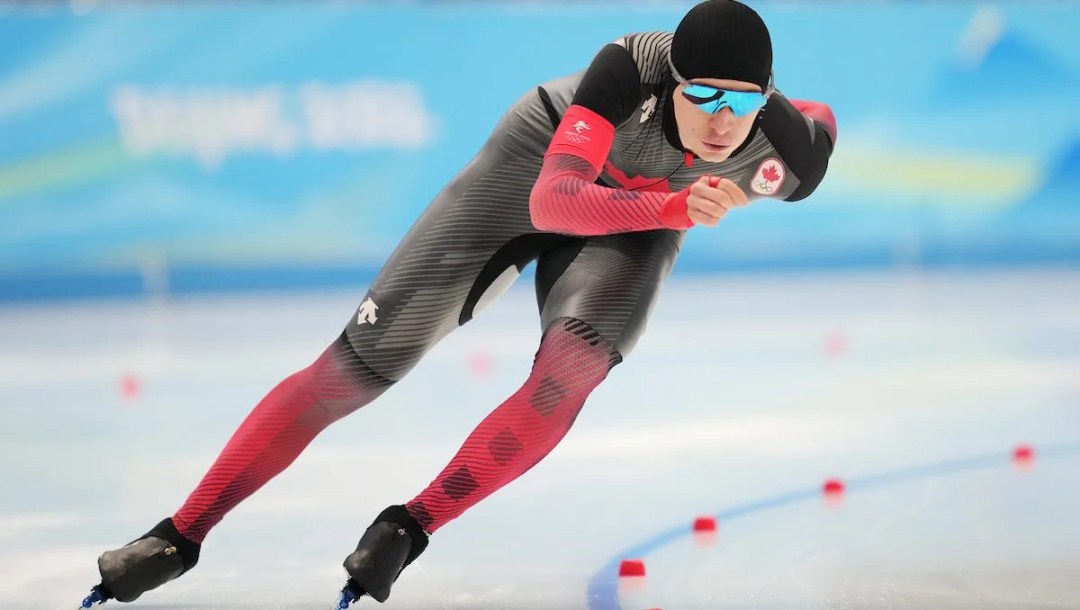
x=818, y=112
x=565, y=198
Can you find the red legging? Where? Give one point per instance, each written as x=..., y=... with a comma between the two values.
x=276, y=431
x=571, y=361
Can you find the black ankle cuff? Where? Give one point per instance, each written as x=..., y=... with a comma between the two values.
x=400, y=515
x=188, y=550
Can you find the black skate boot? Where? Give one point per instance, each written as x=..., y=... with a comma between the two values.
x=392, y=542
x=161, y=555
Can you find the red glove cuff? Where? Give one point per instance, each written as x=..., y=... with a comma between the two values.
x=673, y=212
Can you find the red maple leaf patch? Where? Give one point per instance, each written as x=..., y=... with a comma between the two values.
x=770, y=174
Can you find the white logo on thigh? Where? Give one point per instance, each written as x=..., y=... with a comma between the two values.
x=367, y=311
x=647, y=108
x=769, y=177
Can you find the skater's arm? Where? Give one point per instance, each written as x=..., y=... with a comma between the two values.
x=803, y=133
x=565, y=198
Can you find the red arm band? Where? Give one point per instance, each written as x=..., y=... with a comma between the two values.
x=584, y=134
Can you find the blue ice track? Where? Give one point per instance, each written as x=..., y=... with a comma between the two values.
x=603, y=591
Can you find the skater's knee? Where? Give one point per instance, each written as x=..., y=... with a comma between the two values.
x=575, y=353
x=340, y=382
x=351, y=365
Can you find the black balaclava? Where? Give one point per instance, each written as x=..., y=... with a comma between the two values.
x=721, y=39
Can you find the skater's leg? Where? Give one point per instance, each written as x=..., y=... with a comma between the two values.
x=595, y=297
x=572, y=360
x=277, y=430
x=269, y=439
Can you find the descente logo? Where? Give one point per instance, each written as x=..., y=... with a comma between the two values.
x=366, y=314
x=648, y=108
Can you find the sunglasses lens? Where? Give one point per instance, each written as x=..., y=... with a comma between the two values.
x=713, y=100
x=700, y=94
x=744, y=103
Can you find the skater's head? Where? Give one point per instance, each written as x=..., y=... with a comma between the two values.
x=721, y=60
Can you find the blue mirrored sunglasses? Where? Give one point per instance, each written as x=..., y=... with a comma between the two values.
x=713, y=99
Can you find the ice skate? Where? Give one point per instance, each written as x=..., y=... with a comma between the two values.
x=390, y=544
x=144, y=564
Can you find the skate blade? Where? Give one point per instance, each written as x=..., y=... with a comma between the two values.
x=98, y=595
x=348, y=595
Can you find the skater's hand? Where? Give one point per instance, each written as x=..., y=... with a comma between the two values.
x=711, y=198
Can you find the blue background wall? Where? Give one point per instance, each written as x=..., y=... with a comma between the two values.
x=247, y=146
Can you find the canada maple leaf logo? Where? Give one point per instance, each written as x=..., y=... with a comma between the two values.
x=770, y=174
x=769, y=177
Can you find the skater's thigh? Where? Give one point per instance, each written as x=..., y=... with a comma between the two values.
x=609, y=282
x=466, y=248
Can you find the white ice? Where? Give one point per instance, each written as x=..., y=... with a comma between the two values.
x=744, y=387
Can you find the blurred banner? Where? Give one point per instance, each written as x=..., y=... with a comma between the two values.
x=183, y=148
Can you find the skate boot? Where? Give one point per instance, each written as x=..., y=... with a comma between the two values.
x=147, y=563
x=392, y=542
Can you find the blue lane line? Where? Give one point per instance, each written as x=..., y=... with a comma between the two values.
x=603, y=592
